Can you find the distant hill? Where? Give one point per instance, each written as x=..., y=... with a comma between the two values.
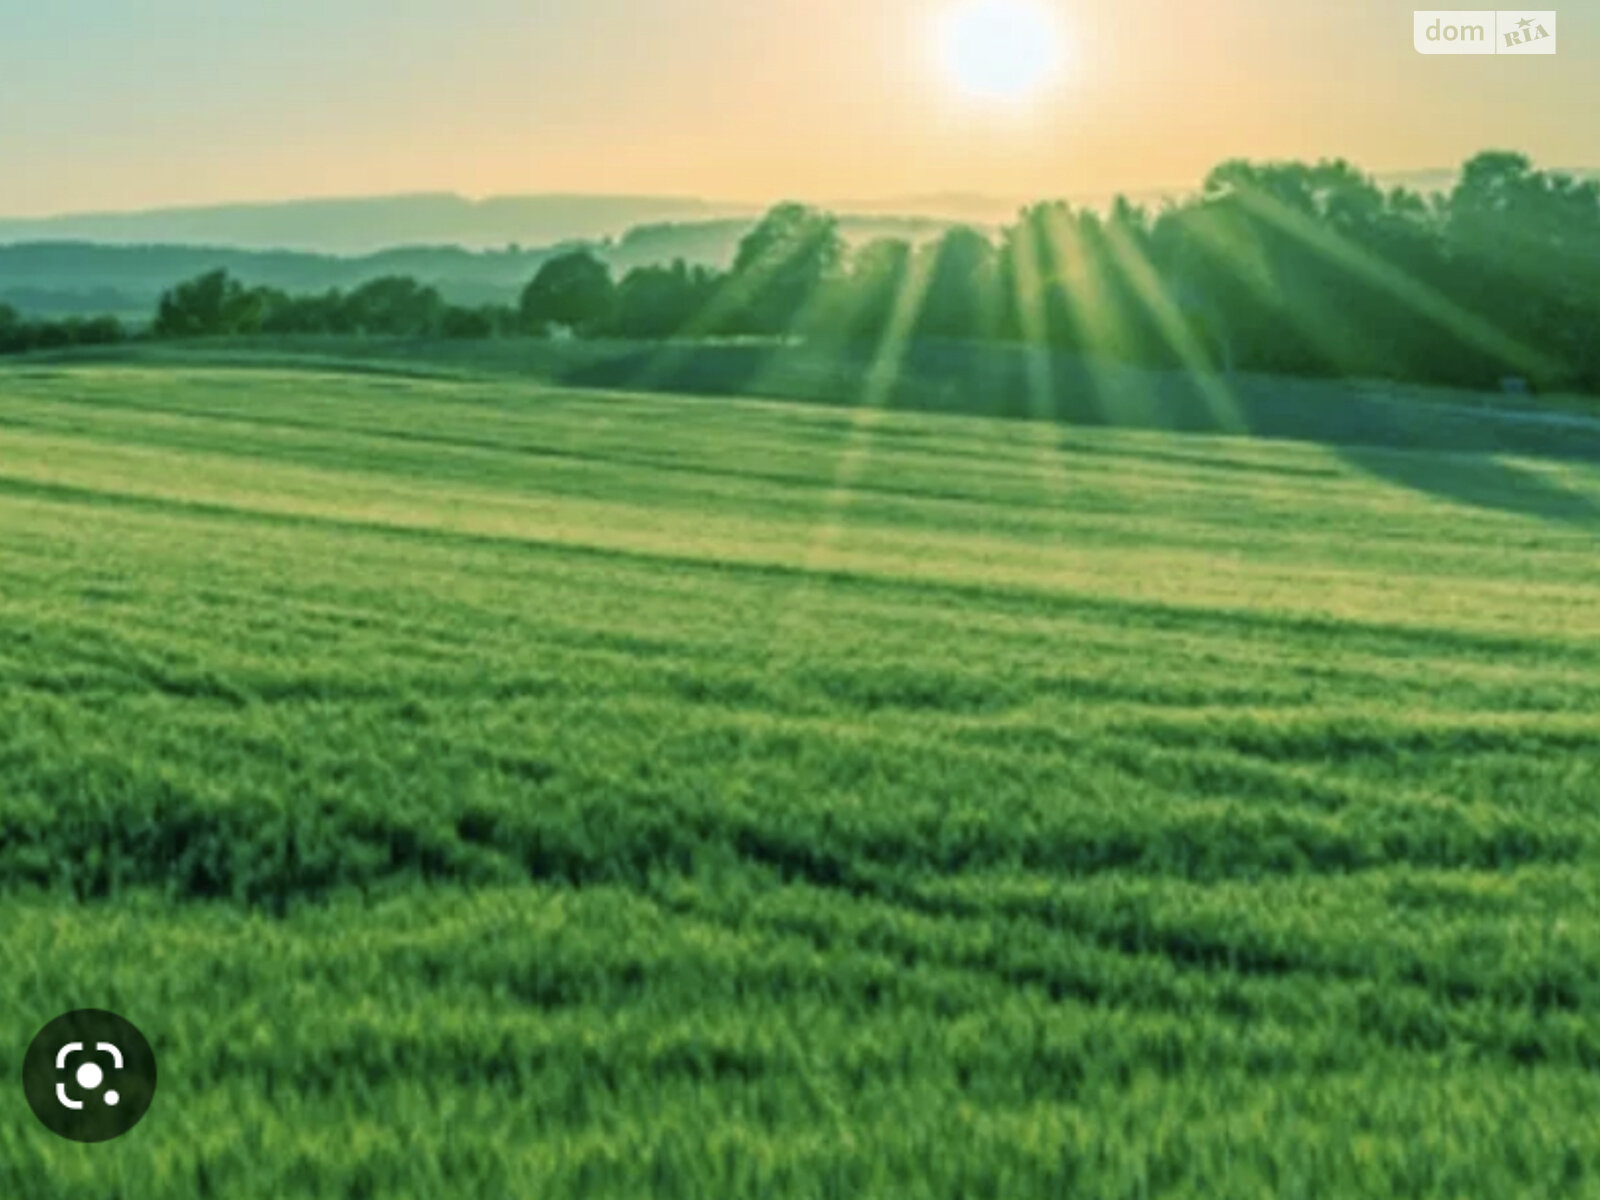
x=970, y=208
x=1427, y=182
x=67, y=278
x=474, y=252
x=367, y=225
x=359, y=227
x=1443, y=179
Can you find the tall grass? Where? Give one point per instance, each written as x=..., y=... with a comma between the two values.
x=478, y=789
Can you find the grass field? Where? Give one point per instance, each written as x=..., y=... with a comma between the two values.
x=479, y=789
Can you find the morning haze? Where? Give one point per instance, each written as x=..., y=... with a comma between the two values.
x=180, y=102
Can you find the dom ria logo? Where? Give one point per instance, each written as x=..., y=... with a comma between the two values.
x=1529, y=31
x=1480, y=32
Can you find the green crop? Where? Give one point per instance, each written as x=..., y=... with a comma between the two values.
x=477, y=789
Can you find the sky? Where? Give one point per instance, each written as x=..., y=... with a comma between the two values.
x=127, y=104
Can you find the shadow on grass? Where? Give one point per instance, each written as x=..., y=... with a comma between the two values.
x=1481, y=481
x=1447, y=450
x=993, y=380
x=1004, y=381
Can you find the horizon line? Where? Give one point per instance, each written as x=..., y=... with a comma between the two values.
x=858, y=205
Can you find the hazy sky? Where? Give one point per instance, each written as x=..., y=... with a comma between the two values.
x=111, y=104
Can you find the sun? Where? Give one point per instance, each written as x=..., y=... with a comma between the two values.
x=1001, y=49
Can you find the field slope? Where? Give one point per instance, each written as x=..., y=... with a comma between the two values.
x=479, y=789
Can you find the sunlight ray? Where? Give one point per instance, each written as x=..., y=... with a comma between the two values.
x=1329, y=330
x=823, y=308
x=876, y=393
x=1175, y=329
x=1073, y=279
x=1423, y=299
x=1029, y=301
x=733, y=293
x=1082, y=287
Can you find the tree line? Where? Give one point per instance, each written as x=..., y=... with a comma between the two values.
x=1303, y=269
x=19, y=335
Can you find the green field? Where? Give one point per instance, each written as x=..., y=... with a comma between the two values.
x=476, y=788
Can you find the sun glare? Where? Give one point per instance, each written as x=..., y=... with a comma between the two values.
x=1001, y=49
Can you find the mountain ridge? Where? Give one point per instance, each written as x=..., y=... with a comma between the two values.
x=354, y=225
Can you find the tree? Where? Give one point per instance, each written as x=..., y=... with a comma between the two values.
x=572, y=289
x=98, y=331
x=661, y=302
x=1525, y=251
x=11, y=330
x=397, y=305
x=323, y=313
x=962, y=295
x=879, y=279
x=1035, y=262
x=471, y=323
x=201, y=307
x=780, y=268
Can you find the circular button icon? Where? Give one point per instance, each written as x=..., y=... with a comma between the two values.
x=89, y=1075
